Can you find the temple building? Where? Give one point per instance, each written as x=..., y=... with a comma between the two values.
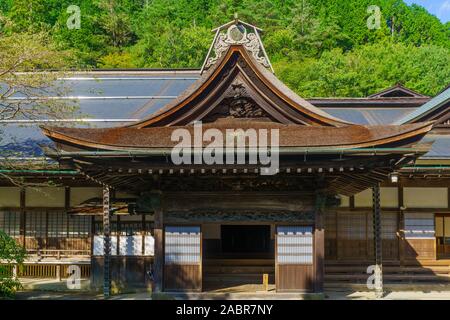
x=336, y=187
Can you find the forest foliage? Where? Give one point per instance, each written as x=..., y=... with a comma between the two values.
x=317, y=47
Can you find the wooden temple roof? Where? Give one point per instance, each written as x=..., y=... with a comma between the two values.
x=237, y=90
x=290, y=135
x=238, y=75
x=397, y=91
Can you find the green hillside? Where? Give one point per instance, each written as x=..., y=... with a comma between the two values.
x=317, y=47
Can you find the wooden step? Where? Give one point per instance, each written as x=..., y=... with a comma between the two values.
x=237, y=278
x=238, y=269
x=388, y=269
x=239, y=262
x=387, y=278
x=424, y=263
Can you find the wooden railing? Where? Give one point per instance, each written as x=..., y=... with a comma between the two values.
x=43, y=270
x=58, y=253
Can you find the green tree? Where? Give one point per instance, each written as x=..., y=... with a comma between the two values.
x=368, y=69
x=11, y=253
x=115, y=22
x=25, y=61
x=176, y=33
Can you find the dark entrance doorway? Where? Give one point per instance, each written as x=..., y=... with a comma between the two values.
x=245, y=238
x=244, y=258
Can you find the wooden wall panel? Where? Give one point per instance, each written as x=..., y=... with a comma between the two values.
x=126, y=272
x=9, y=197
x=330, y=235
x=354, y=236
x=295, y=258
x=45, y=197
x=420, y=249
x=182, y=258
x=35, y=243
x=290, y=277
x=78, y=244
x=425, y=197
x=182, y=277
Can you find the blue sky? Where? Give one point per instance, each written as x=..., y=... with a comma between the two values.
x=440, y=8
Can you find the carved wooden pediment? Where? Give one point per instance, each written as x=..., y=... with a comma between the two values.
x=237, y=85
x=237, y=103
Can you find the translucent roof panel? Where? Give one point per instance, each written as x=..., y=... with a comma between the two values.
x=369, y=116
x=127, y=87
x=25, y=139
x=385, y=116
x=119, y=108
x=350, y=115
x=440, y=147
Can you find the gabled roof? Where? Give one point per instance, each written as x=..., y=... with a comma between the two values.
x=430, y=110
x=397, y=91
x=290, y=135
x=238, y=69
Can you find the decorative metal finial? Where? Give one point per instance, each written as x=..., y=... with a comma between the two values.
x=237, y=32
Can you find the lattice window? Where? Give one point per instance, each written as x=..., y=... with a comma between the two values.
x=352, y=226
x=182, y=245
x=98, y=227
x=79, y=226
x=295, y=245
x=57, y=225
x=10, y=222
x=389, y=225
x=35, y=224
x=419, y=225
x=130, y=228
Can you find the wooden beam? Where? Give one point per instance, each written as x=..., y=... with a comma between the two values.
x=319, y=242
x=22, y=217
x=401, y=226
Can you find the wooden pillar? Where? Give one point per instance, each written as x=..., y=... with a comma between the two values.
x=66, y=212
x=319, y=242
x=377, y=241
x=401, y=227
x=158, y=262
x=106, y=243
x=143, y=234
x=22, y=218
x=118, y=234
x=58, y=272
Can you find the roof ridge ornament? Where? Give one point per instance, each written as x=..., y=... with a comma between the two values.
x=237, y=32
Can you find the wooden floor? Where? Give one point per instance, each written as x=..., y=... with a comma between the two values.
x=240, y=288
x=237, y=275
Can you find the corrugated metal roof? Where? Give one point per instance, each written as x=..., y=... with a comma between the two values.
x=116, y=98
x=440, y=147
x=431, y=105
x=369, y=116
x=104, y=99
